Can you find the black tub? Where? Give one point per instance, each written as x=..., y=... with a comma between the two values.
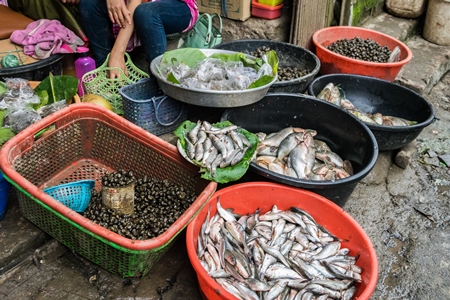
x=289, y=55
x=346, y=136
x=372, y=95
x=36, y=71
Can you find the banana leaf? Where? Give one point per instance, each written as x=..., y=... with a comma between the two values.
x=55, y=88
x=227, y=174
x=191, y=56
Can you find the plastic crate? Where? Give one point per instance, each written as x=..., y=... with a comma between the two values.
x=85, y=142
x=145, y=105
x=266, y=11
x=270, y=2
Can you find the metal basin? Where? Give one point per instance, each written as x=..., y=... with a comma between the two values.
x=209, y=98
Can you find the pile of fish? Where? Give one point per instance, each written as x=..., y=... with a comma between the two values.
x=282, y=254
x=331, y=93
x=294, y=152
x=212, y=147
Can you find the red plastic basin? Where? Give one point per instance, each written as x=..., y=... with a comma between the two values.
x=335, y=63
x=247, y=197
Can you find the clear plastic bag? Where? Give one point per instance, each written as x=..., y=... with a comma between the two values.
x=19, y=94
x=51, y=108
x=20, y=118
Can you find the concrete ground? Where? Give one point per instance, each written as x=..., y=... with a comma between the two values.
x=404, y=209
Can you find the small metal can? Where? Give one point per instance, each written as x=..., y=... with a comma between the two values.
x=119, y=198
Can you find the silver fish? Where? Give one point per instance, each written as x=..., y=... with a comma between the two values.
x=201, y=136
x=265, y=150
x=199, y=151
x=220, y=146
x=239, y=156
x=289, y=143
x=246, y=291
x=215, y=164
x=224, y=130
x=236, y=139
x=225, y=214
x=276, y=290
x=189, y=147
x=275, y=140
x=192, y=134
x=330, y=158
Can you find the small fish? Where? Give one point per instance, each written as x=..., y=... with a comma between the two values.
x=362, y=116
x=237, y=139
x=192, y=134
x=239, y=156
x=276, y=139
x=199, y=151
x=224, y=130
x=289, y=143
x=220, y=146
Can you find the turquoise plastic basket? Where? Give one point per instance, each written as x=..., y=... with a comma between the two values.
x=75, y=195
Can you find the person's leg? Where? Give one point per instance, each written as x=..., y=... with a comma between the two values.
x=153, y=20
x=98, y=28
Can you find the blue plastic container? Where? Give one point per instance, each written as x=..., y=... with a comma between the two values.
x=4, y=190
x=75, y=195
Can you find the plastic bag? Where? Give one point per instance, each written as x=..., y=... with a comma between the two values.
x=51, y=108
x=20, y=118
x=19, y=94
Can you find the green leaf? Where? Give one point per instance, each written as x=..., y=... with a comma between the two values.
x=172, y=78
x=62, y=87
x=230, y=173
x=43, y=95
x=3, y=88
x=5, y=133
x=187, y=56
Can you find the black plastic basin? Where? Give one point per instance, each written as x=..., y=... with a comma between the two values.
x=373, y=95
x=289, y=55
x=343, y=132
x=36, y=71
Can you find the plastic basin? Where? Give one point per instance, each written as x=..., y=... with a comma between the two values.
x=37, y=71
x=4, y=190
x=373, y=95
x=335, y=63
x=247, y=197
x=344, y=133
x=289, y=55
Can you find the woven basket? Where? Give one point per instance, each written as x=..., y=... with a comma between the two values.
x=145, y=105
x=98, y=82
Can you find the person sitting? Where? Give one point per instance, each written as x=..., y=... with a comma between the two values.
x=133, y=23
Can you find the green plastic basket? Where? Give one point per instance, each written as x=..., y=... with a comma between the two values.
x=87, y=142
x=97, y=82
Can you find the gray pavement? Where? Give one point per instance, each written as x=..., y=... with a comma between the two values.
x=404, y=210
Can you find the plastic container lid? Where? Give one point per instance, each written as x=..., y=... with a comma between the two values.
x=82, y=49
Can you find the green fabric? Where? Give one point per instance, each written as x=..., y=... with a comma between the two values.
x=67, y=14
